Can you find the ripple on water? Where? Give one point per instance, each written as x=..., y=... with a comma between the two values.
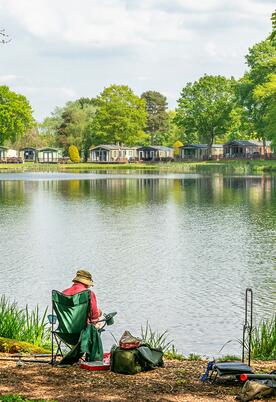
x=177, y=250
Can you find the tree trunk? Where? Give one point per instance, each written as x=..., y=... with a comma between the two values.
x=265, y=149
x=211, y=141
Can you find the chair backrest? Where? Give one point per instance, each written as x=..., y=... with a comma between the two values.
x=71, y=311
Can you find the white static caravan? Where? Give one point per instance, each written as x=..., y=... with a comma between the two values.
x=155, y=153
x=49, y=155
x=199, y=152
x=12, y=153
x=112, y=154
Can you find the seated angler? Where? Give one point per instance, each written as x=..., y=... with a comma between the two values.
x=82, y=281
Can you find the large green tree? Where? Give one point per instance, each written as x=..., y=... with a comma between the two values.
x=15, y=115
x=261, y=60
x=71, y=124
x=120, y=117
x=266, y=93
x=33, y=137
x=157, y=117
x=173, y=133
x=204, y=108
x=72, y=127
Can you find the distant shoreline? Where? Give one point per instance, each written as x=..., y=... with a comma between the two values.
x=223, y=166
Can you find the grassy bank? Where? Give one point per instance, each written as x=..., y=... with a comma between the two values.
x=71, y=167
x=14, y=346
x=229, y=166
x=223, y=166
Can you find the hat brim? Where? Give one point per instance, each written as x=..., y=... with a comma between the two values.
x=83, y=280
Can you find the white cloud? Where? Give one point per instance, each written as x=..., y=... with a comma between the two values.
x=63, y=49
x=61, y=93
x=93, y=23
x=8, y=78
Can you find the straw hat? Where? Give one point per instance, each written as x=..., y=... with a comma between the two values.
x=84, y=277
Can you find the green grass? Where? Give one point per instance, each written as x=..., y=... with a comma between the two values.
x=173, y=354
x=223, y=166
x=23, y=324
x=194, y=357
x=40, y=167
x=18, y=398
x=263, y=340
x=229, y=358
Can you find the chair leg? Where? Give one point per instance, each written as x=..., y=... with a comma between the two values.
x=52, y=341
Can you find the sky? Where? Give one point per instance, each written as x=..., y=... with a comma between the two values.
x=62, y=50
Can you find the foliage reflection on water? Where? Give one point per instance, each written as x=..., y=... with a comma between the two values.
x=177, y=251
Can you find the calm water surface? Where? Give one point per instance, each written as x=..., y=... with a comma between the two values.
x=177, y=250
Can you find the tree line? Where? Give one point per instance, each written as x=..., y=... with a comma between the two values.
x=212, y=109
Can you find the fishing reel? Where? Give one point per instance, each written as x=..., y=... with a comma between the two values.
x=107, y=320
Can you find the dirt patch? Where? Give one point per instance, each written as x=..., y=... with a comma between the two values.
x=177, y=381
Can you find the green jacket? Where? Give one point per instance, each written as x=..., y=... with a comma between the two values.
x=89, y=343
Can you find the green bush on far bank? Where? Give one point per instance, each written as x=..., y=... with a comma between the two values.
x=74, y=154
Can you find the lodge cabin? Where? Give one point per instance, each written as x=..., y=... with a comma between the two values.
x=13, y=157
x=28, y=154
x=12, y=153
x=3, y=154
x=155, y=153
x=199, y=152
x=112, y=154
x=246, y=149
x=49, y=155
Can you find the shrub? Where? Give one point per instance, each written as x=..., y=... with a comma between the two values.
x=74, y=154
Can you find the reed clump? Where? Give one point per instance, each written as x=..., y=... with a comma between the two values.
x=23, y=324
x=155, y=339
x=263, y=340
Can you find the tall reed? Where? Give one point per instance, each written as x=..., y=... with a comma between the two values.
x=155, y=339
x=23, y=324
x=263, y=340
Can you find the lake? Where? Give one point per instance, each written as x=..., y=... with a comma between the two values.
x=178, y=250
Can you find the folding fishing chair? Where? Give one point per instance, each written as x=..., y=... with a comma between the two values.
x=71, y=314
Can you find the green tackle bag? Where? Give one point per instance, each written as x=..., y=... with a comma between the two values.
x=133, y=361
